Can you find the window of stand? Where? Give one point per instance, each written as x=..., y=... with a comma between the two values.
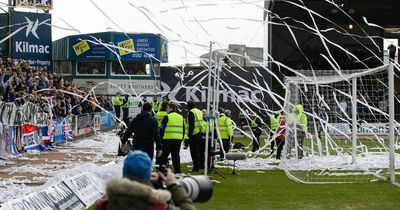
x=135, y=68
x=91, y=68
x=64, y=67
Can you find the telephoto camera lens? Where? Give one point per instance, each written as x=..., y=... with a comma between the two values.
x=199, y=188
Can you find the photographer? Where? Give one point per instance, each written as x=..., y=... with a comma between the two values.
x=135, y=190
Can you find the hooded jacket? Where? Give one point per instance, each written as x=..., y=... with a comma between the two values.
x=126, y=194
x=145, y=129
x=301, y=119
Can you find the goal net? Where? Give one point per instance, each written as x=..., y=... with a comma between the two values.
x=337, y=126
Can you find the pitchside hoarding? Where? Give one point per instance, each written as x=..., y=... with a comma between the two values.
x=239, y=88
x=31, y=38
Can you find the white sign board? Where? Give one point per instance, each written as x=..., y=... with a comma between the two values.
x=363, y=129
x=86, y=186
x=124, y=86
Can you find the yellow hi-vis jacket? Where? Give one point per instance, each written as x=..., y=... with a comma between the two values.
x=154, y=105
x=160, y=116
x=117, y=101
x=198, y=120
x=225, y=127
x=174, y=127
x=274, y=122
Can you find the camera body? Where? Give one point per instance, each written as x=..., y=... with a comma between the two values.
x=199, y=188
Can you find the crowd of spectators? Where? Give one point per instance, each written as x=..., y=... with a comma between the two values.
x=20, y=83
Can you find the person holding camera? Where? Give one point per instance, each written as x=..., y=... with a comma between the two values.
x=172, y=131
x=145, y=132
x=135, y=189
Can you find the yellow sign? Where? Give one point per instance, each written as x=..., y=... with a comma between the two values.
x=81, y=47
x=126, y=47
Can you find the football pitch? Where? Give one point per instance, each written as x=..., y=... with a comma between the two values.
x=274, y=190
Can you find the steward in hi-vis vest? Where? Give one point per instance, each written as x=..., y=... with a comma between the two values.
x=117, y=105
x=195, y=125
x=172, y=130
x=162, y=113
x=225, y=130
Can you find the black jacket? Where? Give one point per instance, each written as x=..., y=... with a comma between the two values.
x=145, y=129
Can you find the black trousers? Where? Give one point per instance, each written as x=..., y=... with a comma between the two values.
x=280, y=145
x=256, y=140
x=172, y=147
x=117, y=111
x=195, y=150
x=273, y=141
x=125, y=114
x=145, y=147
x=226, y=144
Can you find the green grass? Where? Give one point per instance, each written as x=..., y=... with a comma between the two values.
x=261, y=190
x=273, y=190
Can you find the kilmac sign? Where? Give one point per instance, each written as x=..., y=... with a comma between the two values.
x=31, y=38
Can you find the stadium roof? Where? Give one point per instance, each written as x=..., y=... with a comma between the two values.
x=382, y=12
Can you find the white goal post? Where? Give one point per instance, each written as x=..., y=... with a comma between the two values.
x=340, y=126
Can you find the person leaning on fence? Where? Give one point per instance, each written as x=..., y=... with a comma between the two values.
x=225, y=128
x=172, y=133
x=145, y=132
x=135, y=190
x=117, y=105
x=195, y=124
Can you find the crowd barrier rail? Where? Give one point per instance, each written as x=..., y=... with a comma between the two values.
x=29, y=127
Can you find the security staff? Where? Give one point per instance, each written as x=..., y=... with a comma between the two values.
x=195, y=124
x=171, y=131
x=144, y=100
x=301, y=121
x=117, y=105
x=256, y=129
x=162, y=113
x=145, y=132
x=274, y=123
x=125, y=108
x=225, y=128
x=154, y=104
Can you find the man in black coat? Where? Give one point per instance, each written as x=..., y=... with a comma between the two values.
x=145, y=129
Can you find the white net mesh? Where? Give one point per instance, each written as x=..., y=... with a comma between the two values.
x=319, y=126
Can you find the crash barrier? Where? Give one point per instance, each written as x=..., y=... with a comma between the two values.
x=79, y=191
x=28, y=127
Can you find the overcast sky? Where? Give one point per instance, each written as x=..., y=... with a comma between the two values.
x=189, y=25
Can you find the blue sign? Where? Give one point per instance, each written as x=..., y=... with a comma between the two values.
x=87, y=47
x=107, y=120
x=31, y=38
x=145, y=46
